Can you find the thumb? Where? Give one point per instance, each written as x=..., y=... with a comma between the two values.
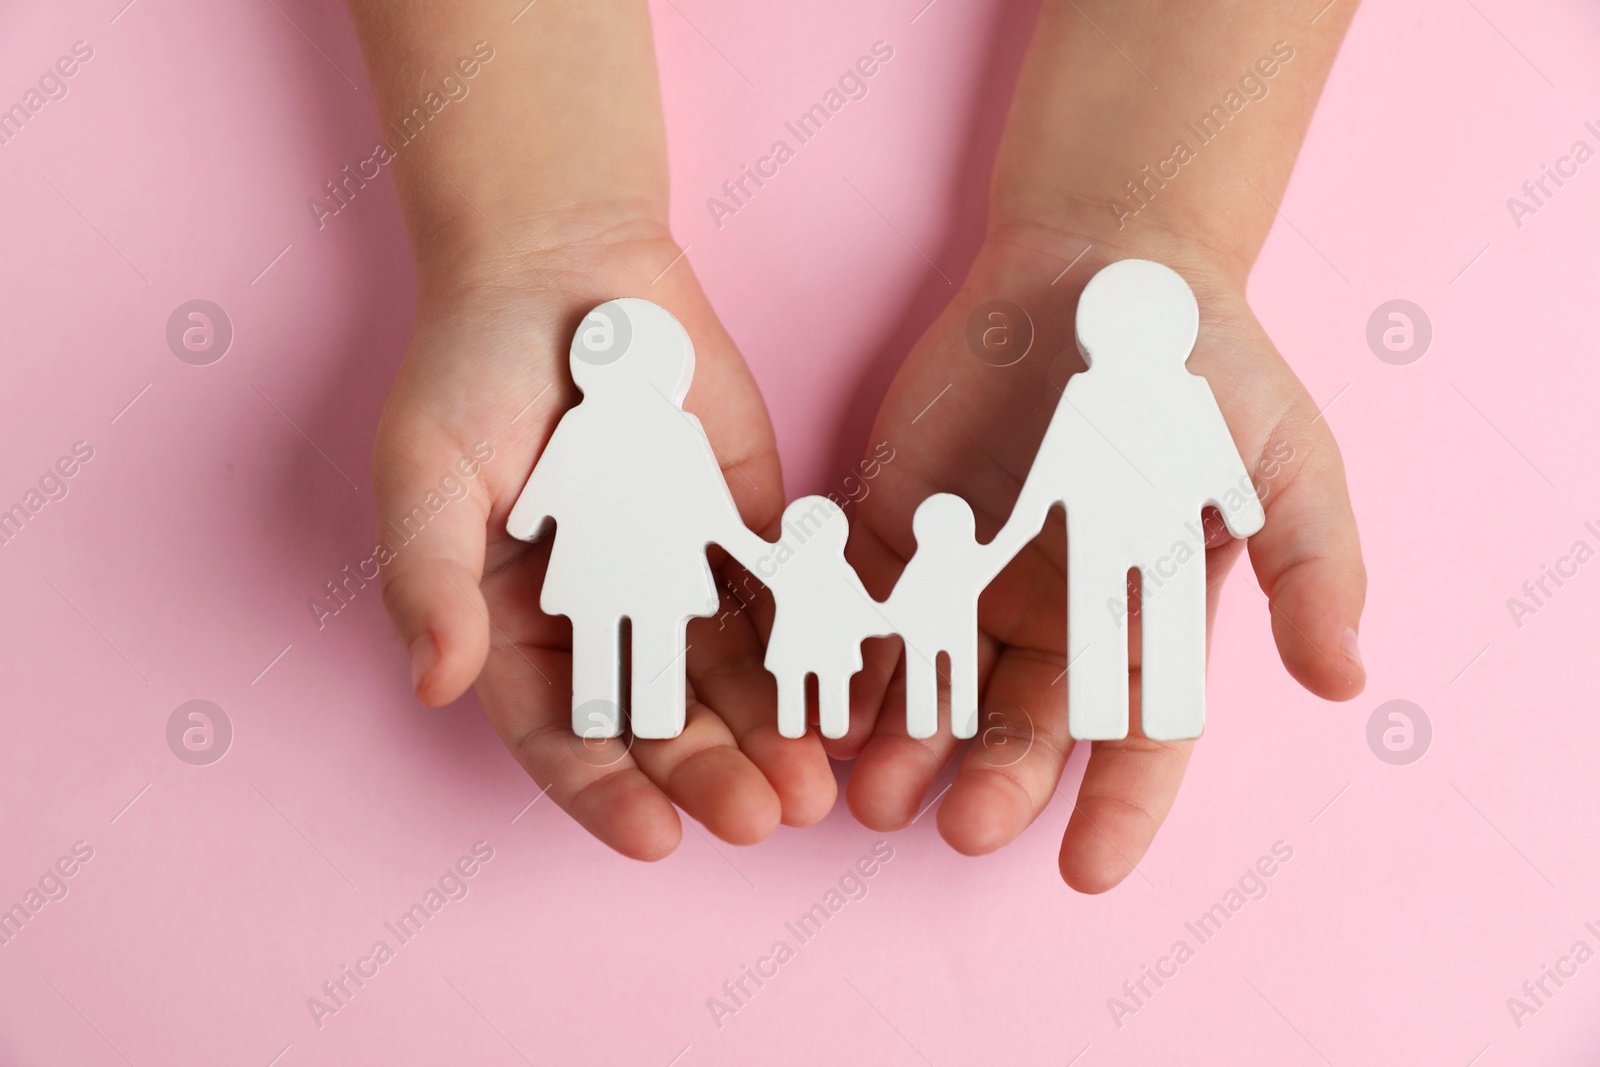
x=432, y=508
x=1308, y=555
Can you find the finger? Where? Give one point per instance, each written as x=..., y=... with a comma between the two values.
x=1129, y=785
x=1010, y=770
x=705, y=774
x=701, y=769
x=894, y=770
x=1308, y=555
x=1308, y=560
x=869, y=688
x=430, y=547
x=878, y=566
x=526, y=693
x=1128, y=788
x=725, y=666
x=726, y=400
x=724, y=659
x=704, y=769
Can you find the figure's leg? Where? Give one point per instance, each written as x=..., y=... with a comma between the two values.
x=964, y=684
x=597, y=678
x=833, y=702
x=922, y=691
x=1097, y=637
x=1172, y=697
x=659, y=702
x=791, y=703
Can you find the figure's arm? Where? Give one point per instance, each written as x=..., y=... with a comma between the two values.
x=1223, y=473
x=537, y=504
x=744, y=545
x=873, y=619
x=1041, y=491
x=725, y=527
x=1023, y=526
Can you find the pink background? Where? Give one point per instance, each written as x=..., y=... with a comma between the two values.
x=1418, y=899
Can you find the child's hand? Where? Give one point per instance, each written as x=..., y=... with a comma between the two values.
x=489, y=364
x=1099, y=163
x=540, y=192
x=978, y=440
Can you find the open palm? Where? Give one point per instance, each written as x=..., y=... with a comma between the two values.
x=965, y=419
x=487, y=374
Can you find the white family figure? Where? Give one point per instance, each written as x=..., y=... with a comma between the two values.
x=636, y=493
x=823, y=613
x=1136, y=448
x=934, y=609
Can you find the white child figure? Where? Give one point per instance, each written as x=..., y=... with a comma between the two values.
x=822, y=614
x=636, y=494
x=934, y=608
x=1136, y=448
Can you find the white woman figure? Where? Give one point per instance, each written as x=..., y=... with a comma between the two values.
x=636, y=494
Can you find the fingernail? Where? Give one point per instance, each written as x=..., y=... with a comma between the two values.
x=1352, y=648
x=424, y=657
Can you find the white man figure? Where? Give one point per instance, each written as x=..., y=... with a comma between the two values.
x=636, y=494
x=823, y=613
x=1136, y=448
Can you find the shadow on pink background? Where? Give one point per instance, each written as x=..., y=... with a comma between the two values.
x=219, y=499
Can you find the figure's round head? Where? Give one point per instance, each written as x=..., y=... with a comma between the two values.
x=632, y=340
x=1139, y=312
x=943, y=518
x=815, y=522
